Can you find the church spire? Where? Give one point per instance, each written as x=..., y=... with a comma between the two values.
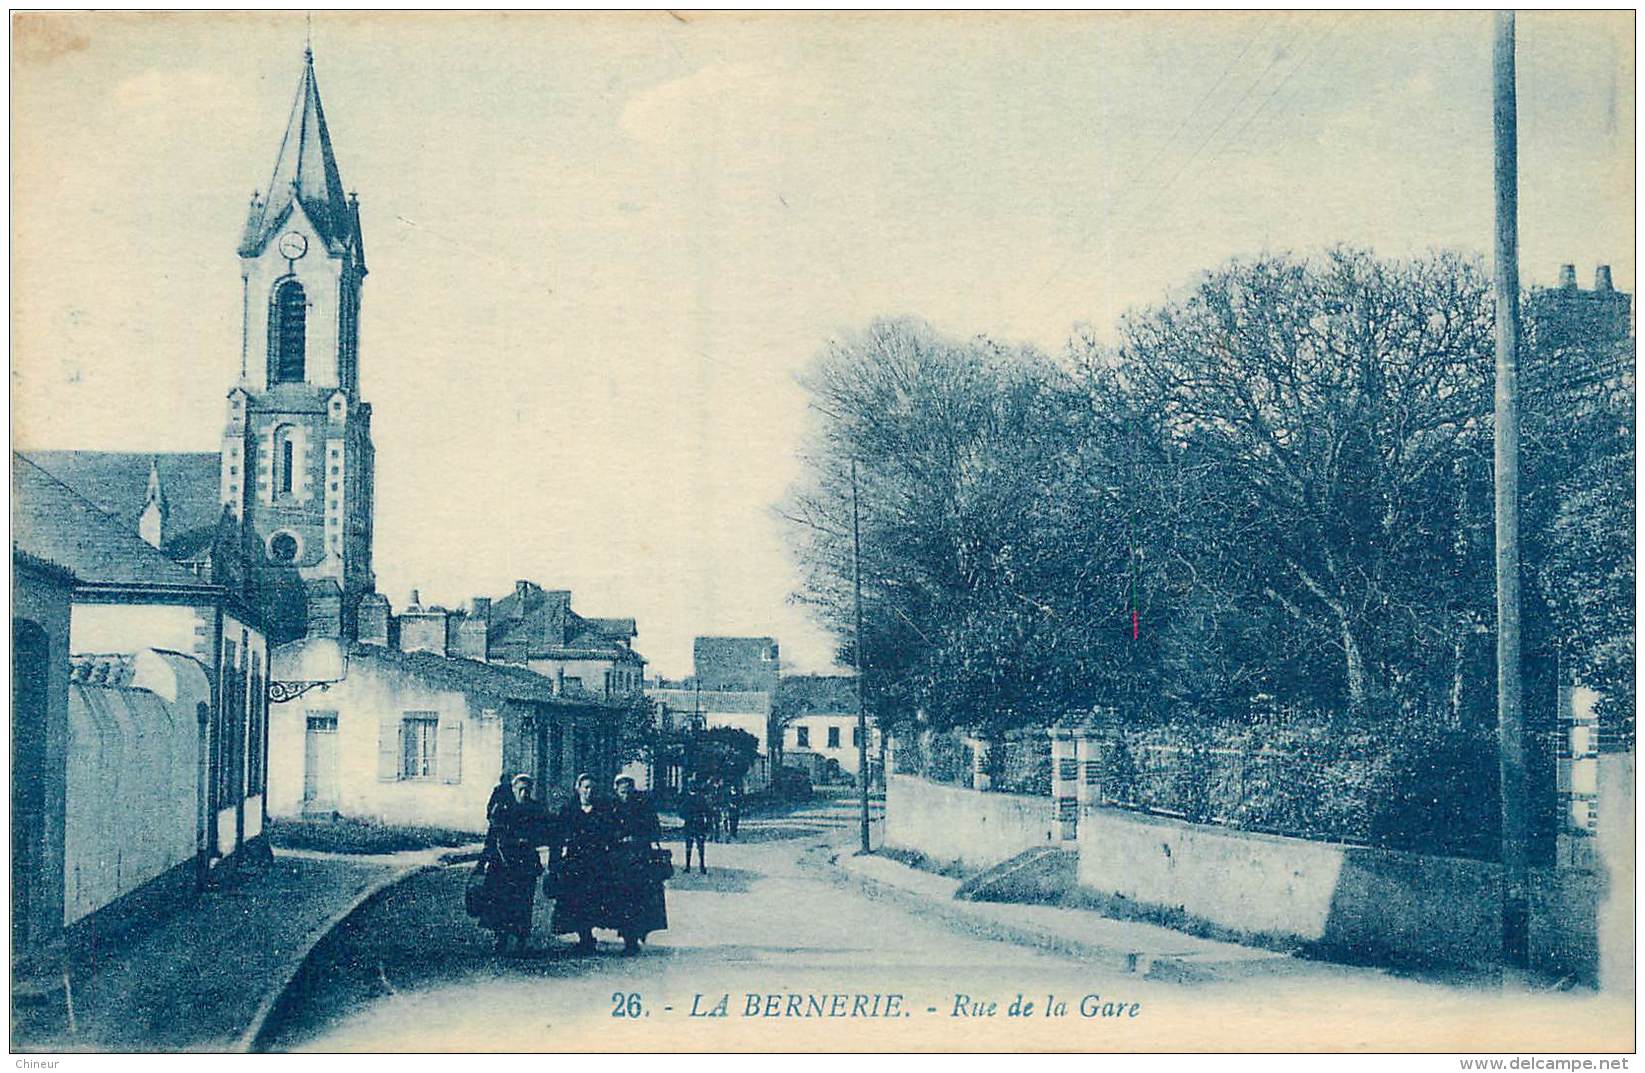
x=305, y=173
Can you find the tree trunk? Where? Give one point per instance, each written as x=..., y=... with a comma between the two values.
x=1354, y=666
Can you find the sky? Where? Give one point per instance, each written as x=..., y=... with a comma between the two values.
x=602, y=246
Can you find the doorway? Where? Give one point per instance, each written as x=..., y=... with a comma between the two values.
x=30, y=663
x=320, y=763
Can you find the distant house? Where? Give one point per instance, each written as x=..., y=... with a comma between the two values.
x=819, y=726
x=535, y=628
x=745, y=710
x=734, y=685
x=736, y=664
x=126, y=598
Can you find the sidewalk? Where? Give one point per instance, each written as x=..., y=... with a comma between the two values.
x=1127, y=946
x=198, y=979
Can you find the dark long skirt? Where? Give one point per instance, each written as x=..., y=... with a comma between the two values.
x=509, y=894
x=580, y=905
x=638, y=907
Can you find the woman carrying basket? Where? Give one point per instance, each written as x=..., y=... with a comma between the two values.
x=510, y=864
x=636, y=906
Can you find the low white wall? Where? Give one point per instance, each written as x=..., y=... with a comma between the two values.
x=1616, y=939
x=1366, y=904
x=949, y=823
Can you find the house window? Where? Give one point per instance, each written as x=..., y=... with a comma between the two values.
x=833, y=737
x=419, y=745
x=802, y=737
x=856, y=737
x=288, y=326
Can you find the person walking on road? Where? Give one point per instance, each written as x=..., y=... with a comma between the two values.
x=733, y=810
x=518, y=826
x=694, y=810
x=582, y=861
x=637, y=905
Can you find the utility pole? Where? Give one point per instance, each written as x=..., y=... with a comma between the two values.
x=1510, y=702
x=856, y=649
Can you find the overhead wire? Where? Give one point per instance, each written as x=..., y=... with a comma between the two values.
x=1141, y=174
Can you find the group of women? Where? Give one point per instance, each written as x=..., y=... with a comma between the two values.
x=603, y=869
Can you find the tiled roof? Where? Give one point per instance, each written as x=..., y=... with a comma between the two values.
x=514, y=683
x=116, y=482
x=53, y=522
x=618, y=628
x=541, y=622
x=305, y=172
x=813, y=694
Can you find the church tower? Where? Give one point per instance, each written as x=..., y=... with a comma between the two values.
x=297, y=457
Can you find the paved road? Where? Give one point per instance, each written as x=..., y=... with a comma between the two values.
x=413, y=973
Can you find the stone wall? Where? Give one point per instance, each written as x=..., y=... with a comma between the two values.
x=969, y=827
x=1359, y=904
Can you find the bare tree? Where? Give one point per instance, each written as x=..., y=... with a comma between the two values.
x=1330, y=401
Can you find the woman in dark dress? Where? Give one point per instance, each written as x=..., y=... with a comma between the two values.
x=582, y=863
x=637, y=906
x=518, y=826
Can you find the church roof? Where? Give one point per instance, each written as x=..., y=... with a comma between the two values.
x=117, y=483
x=50, y=521
x=305, y=173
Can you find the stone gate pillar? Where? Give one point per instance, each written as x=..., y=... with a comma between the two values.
x=1066, y=746
x=980, y=754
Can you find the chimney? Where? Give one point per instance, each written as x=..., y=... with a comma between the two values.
x=1602, y=278
x=520, y=588
x=371, y=620
x=423, y=630
x=482, y=608
x=1567, y=277
x=416, y=601
x=467, y=637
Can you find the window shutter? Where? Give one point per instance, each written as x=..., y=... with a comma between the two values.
x=450, y=764
x=388, y=748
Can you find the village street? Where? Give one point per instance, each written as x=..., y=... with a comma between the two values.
x=774, y=917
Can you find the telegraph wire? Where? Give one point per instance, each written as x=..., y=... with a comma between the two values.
x=1319, y=43
x=1159, y=154
x=1279, y=55
x=1189, y=116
